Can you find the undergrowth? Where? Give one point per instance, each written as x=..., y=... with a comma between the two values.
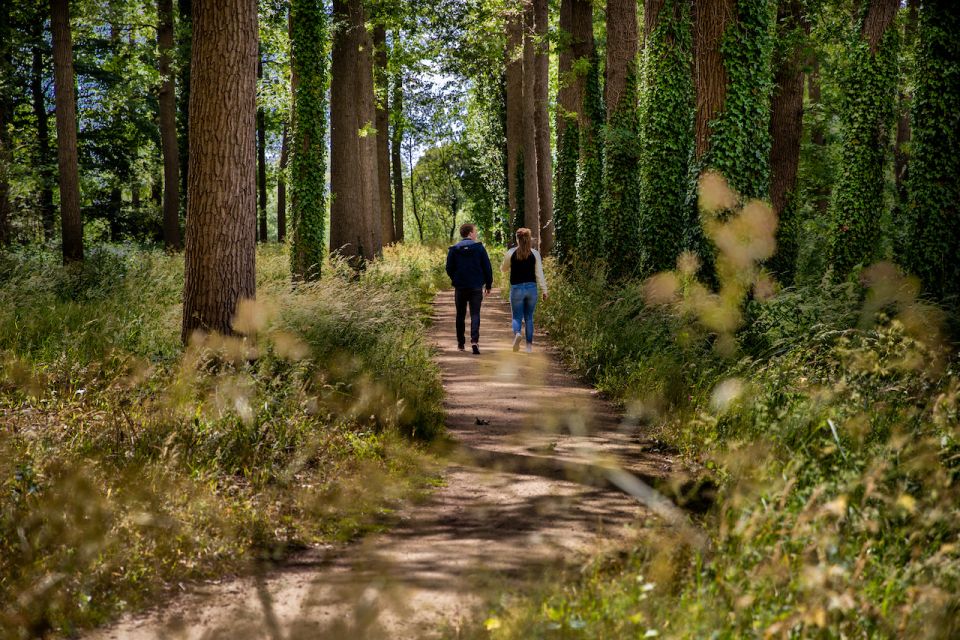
x=129, y=464
x=828, y=415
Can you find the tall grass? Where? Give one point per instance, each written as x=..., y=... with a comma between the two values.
x=129, y=463
x=831, y=426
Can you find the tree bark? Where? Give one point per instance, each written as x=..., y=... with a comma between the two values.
x=542, y=119
x=383, y=133
x=354, y=183
x=786, y=108
x=621, y=50
x=531, y=189
x=261, y=161
x=711, y=18
x=168, y=129
x=396, y=140
x=879, y=17
x=514, y=105
x=221, y=225
x=70, y=223
x=282, y=187
x=44, y=151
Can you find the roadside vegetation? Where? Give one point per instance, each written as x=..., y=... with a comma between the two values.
x=129, y=464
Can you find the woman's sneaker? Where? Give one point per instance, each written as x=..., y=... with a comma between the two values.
x=529, y=347
x=516, y=342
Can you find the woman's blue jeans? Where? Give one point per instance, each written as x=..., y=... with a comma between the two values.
x=523, y=300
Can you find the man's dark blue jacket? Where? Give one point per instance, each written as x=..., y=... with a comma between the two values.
x=468, y=265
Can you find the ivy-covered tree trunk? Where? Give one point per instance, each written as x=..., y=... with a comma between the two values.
x=568, y=142
x=786, y=127
x=869, y=82
x=542, y=119
x=221, y=226
x=621, y=197
x=396, y=142
x=383, y=134
x=355, y=198
x=261, y=162
x=901, y=154
x=514, y=106
x=308, y=26
x=531, y=189
x=63, y=79
x=666, y=131
x=167, y=104
x=590, y=218
x=933, y=210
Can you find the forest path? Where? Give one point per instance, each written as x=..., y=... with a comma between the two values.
x=522, y=493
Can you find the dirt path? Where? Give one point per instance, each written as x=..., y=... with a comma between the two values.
x=522, y=494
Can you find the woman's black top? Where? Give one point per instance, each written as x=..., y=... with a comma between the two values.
x=522, y=271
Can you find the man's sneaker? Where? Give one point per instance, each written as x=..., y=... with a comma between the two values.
x=516, y=342
x=529, y=347
x=460, y=347
x=476, y=349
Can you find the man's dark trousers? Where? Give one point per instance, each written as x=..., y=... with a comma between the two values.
x=473, y=298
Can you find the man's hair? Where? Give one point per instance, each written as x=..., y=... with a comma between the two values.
x=466, y=229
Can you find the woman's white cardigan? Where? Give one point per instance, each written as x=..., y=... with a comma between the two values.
x=541, y=280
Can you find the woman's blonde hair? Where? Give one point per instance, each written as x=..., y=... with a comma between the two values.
x=523, y=243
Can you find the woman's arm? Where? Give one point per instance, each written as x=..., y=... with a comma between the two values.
x=505, y=265
x=541, y=279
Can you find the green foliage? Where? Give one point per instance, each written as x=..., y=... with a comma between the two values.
x=857, y=206
x=666, y=136
x=309, y=40
x=127, y=463
x=565, y=198
x=590, y=215
x=932, y=240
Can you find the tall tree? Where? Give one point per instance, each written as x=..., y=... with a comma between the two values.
x=70, y=224
x=168, y=129
x=282, y=184
x=44, y=150
x=184, y=40
x=383, y=132
x=666, y=131
x=514, y=107
x=221, y=224
x=621, y=200
x=261, y=160
x=541, y=20
x=786, y=126
x=590, y=218
x=396, y=142
x=868, y=85
x=531, y=189
x=933, y=207
x=354, y=183
x=309, y=37
x=6, y=109
x=901, y=154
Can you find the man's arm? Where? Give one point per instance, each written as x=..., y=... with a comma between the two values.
x=487, y=268
x=450, y=269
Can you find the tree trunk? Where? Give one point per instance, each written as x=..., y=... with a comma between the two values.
x=282, y=187
x=221, y=225
x=711, y=18
x=786, y=109
x=542, y=119
x=71, y=226
x=168, y=130
x=901, y=156
x=44, y=151
x=531, y=189
x=383, y=134
x=413, y=194
x=261, y=161
x=396, y=140
x=184, y=40
x=5, y=116
x=621, y=50
x=354, y=184
x=514, y=107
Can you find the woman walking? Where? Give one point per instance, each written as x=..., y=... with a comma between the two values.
x=525, y=267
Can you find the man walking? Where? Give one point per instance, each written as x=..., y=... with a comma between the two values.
x=468, y=266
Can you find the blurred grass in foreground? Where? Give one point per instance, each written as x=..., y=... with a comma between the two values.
x=829, y=415
x=128, y=464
